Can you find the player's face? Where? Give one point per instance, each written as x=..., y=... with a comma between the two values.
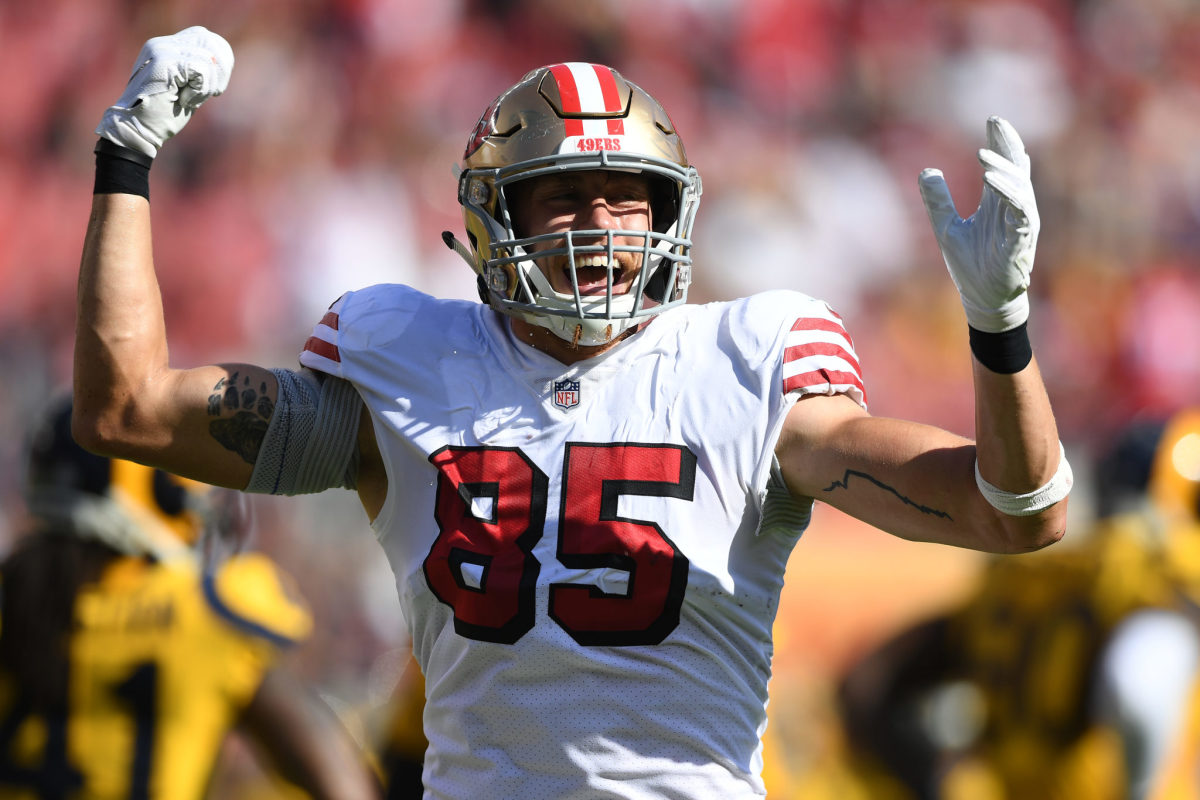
x=588, y=200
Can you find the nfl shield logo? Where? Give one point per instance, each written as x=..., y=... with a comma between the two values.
x=566, y=393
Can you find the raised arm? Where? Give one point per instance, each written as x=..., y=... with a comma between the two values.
x=130, y=403
x=1004, y=492
x=203, y=423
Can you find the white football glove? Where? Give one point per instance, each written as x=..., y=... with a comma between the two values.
x=990, y=254
x=172, y=76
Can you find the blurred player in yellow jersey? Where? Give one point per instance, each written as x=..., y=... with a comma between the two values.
x=1175, y=497
x=1066, y=673
x=124, y=663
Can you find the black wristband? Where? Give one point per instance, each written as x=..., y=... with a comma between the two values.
x=120, y=170
x=1006, y=352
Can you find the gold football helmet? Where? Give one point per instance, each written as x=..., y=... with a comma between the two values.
x=1175, y=474
x=567, y=117
x=135, y=509
x=1174, y=493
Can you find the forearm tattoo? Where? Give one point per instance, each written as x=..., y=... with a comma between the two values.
x=242, y=413
x=844, y=483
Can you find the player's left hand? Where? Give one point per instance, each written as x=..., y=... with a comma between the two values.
x=990, y=254
x=172, y=76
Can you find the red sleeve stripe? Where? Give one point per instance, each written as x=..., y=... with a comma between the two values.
x=322, y=348
x=330, y=319
x=823, y=377
x=819, y=356
x=801, y=351
x=818, y=324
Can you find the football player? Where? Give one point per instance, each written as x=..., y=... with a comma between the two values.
x=124, y=664
x=587, y=488
x=1067, y=674
x=1151, y=676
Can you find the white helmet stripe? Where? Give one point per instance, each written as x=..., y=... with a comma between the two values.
x=589, y=89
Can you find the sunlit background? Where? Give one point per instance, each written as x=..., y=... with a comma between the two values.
x=329, y=165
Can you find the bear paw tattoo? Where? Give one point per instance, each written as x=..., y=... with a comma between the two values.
x=243, y=413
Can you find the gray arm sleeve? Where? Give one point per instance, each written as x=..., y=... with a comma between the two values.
x=311, y=443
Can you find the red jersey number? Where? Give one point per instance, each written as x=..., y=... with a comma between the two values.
x=491, y=506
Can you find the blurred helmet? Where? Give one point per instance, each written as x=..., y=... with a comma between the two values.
x=1174, y=493
x=571, y=117
x=1175, y=475
x=135, y=509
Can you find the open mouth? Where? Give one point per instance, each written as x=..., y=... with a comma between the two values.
x=592, y=274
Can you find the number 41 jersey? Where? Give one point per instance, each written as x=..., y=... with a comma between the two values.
x=588, y=556
x=163, y=659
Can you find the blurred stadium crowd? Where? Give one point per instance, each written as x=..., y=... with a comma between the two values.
x=329, y=165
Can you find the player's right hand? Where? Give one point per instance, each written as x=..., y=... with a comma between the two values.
x=172, y=76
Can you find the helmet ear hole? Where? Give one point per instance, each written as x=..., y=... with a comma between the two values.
x=664, y=203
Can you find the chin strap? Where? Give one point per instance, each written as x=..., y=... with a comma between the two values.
x=656, y=287
x=459, y=247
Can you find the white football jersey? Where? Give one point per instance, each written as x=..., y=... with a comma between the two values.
x=580, y=550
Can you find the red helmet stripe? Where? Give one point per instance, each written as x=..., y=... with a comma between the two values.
x=612, y=98
x=568, y=92
x=588, y=89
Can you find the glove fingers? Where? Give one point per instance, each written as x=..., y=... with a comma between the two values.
x=938, y=202
x=211, y=55
x=1002, y=138
x=1007, y=179
x=1010, y=195
x=990, y=159
x=190, y=66
x=193, y=92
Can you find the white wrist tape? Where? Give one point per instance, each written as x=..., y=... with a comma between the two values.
x=1025, y=505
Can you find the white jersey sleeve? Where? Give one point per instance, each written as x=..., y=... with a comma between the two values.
x=580, y=551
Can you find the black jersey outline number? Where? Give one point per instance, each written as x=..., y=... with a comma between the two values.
x=491, y=511
x=56, y=778
x=592, y=534
x=491, y=507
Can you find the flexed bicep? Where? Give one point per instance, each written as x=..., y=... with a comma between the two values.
x=207, y=423
x=239, y=408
